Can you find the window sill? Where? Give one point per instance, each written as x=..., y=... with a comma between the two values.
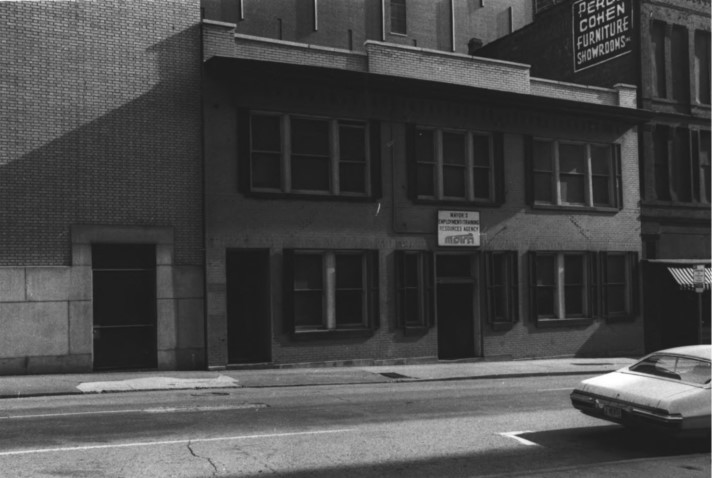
x=455, y=202
x=620, y=318
x=674, y=204
x=502, y=326
x=415, y=330
x=310, y=196
x=566, y=208
x=336, y=334
x=553, y=323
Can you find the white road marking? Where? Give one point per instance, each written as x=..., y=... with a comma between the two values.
x=169, y=442
x=518, y=438
x=571, y=389
x=144, y=410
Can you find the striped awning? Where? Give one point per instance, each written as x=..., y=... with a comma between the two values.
x=684, y=277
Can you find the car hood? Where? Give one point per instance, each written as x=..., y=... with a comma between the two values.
x=636, y=388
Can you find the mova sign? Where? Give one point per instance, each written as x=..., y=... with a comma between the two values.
x=602, y=30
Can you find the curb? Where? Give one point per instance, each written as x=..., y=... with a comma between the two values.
x=17, y=395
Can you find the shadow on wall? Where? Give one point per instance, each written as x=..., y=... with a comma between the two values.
x=137, y=164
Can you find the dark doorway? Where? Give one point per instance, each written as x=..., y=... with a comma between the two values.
x=456, y=306
x=124, y=293
x=248, y=306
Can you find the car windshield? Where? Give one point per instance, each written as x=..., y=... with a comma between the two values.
x=675, y=367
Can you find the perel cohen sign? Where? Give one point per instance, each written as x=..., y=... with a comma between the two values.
x=602, y=30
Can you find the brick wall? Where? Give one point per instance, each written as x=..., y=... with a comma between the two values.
x=547, y=46
x=349, y=24
x=394, y=222
x=102, y=123
x=101, y=143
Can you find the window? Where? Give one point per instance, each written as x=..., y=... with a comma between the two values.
x=561, y=286
x=661, y=162
x=330, y=291
x=303, y=155
x=501, y=281
x=454, y=166
x=675, y=367
x=619, y=284
x=680, y=64
x=704, y=154
x=702, y=66
x=681, y=164
x=567, y=173
x=658, y=81
x=398, y=17
x=414, y=290
x=574, y=287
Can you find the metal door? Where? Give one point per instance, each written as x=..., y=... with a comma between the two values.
x=124, y=303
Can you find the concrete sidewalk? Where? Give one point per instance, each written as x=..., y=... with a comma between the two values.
x=19, y=386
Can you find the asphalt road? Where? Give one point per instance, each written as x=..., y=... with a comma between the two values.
x=435, y=429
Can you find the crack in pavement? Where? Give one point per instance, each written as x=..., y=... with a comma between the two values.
x=192, y=452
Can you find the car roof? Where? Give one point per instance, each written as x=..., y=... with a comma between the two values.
x=698, y=351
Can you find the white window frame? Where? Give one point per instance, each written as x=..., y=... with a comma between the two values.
x=588, y=175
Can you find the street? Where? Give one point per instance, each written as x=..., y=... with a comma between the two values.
x=458, y=428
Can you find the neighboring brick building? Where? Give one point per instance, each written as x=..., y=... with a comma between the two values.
x=377, y=201
x=101, y=246
x=664, y=49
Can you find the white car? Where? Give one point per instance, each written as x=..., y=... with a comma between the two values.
x=667, y=390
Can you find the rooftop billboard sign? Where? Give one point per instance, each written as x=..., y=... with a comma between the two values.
x=602, y=30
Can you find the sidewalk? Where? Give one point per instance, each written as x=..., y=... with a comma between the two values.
x=20, y=386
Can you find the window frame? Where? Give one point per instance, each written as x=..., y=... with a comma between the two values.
x=559, y=317
x=424, y=290
x=287, y=160
x=398, y=15
x=614, y=185
x=509, y=288
x=494, y=167
x=596, y=293
x=631, y=286
x=329, y=321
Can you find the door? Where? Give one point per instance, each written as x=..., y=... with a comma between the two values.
x=248, y=306
x=124, y=304
x=456, y=306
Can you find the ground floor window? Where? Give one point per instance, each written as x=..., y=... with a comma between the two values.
x=501, y=280
x=330, y=291
x=577, y=286
x=414, y=290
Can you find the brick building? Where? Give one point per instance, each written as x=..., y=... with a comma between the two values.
x=374, y=193
x=101, y=244
x=325, y=182
x=664, y=49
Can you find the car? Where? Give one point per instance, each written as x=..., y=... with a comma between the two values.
x=666, y=391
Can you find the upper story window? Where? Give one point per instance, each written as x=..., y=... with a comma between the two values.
x=456, y=166
x=306, y=155
x=702, y=66
x=398, y=17
x=670, y=63
x=573, y=174
x=681, y=164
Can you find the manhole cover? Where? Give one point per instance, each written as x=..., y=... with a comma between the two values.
x=393, y=375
